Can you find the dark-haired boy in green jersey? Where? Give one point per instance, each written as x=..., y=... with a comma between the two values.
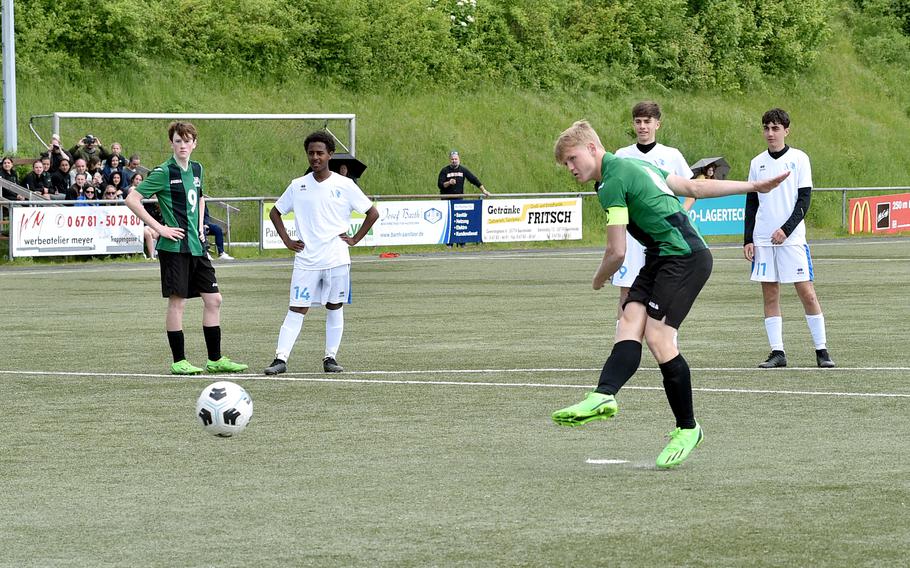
x=641, y=197
x=186, y=271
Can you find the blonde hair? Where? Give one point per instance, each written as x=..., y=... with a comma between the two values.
x=581, y=133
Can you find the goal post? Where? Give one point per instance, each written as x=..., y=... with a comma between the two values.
x=57, y=117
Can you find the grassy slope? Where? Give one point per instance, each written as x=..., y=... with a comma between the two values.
x=847, y=117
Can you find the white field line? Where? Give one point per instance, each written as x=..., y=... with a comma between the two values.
x=432, y=256
x=320, y=378
x=605, y=461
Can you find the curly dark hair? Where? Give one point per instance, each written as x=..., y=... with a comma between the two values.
x=320, y=136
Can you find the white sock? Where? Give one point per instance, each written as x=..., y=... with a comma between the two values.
x=817, y=329
x=334, y=328
x=774, y=327
x=287, y=337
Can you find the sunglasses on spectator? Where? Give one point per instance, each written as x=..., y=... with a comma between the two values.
x=109, y=194
x=89, y=191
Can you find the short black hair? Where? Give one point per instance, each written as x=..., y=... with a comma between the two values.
x=320, y=136
x=776, y=116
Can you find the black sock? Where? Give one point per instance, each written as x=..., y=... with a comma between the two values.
x=678, y=386
x=213, y=341
x=620, y=366
x=175, y=340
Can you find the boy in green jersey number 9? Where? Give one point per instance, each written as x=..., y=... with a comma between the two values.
x=186, y=271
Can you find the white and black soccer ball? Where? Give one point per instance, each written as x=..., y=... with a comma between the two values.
x=224, y=409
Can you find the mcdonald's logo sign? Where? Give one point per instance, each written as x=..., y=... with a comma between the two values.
x=861, y=212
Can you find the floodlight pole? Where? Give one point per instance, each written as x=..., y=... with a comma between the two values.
x=10, y=142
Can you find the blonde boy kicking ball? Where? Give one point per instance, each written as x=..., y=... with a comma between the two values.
x=641, y=198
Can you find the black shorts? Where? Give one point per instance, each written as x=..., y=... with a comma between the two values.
x=185, y=275
x=668, y=285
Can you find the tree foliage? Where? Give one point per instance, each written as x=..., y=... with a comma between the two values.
x=548, y=44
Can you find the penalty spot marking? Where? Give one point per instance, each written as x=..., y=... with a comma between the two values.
x=605, y=462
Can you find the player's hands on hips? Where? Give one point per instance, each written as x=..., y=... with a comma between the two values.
x=766, y=185
x=295, y=246
x=171, y=233
x=778, y=237
x=749, y=251
x=348, y=239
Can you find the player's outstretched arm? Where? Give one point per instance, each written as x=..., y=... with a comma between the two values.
x=706, y=188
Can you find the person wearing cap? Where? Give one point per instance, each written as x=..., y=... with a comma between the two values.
x=87, y=148
x=451, y=178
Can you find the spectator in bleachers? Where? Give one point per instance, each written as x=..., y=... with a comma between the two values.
x=79, y=167
x=113, y=166
x=137, y=179
x=8, y=173
x=116, y=150
x=87, y=148
x=46, y=160
x=131, y=169
x=8, y=170
x=110, y=193
x=60, y=179
x=37, y=180
x=88, y=197
x=150, y=235
x=116, y=179
x=97, y=181
x=213, y=228
x=78, y=188
x=94, y=167
x=57, y=154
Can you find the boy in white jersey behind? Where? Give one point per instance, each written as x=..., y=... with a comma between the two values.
x=646, y=121
x=322, y=202
x=774, y=238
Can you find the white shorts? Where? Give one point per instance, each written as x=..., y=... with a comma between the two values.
x=329, y=286
x=631, y=265
x=785, y=264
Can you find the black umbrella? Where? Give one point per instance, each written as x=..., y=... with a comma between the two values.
x=721, y=167
x=355, y=167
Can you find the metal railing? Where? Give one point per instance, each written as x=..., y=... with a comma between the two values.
x=260, y=201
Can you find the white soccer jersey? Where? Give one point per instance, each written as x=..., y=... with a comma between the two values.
x=322, y=212
x=664, y=157
x=776, y=206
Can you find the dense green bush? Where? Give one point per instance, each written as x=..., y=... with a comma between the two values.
x=549, y=44
x=882, y=31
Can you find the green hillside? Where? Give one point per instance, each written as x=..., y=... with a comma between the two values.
x=847, y=117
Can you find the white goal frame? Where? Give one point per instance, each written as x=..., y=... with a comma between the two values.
x=351, y=118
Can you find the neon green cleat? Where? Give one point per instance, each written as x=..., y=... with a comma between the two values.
x=224, y=365
x=595, y=406
x=184, y=367
x=682, y=442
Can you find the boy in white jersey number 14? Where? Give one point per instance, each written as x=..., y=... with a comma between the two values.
x=774, y=238
x=646, y=121
x=322, y=202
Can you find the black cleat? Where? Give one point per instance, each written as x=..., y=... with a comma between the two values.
x=330, y=365
x=276, y=368
x=823, y=359
x=775, y=359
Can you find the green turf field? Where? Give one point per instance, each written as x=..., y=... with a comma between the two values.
x=436, y=448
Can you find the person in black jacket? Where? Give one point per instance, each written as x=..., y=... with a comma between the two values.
x=451, y=178
x=8, y=173
x=37, y=180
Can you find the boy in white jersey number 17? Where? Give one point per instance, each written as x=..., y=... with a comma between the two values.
x=322, y=202
x=774, y=238
x=646, y=121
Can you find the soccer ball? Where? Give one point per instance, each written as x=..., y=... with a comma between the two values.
x=224, y=409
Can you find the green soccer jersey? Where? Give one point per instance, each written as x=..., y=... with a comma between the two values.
x=178, y=194
x=635, y=192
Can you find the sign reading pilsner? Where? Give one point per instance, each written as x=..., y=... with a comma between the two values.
x=880, y=214
x=509, y=220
